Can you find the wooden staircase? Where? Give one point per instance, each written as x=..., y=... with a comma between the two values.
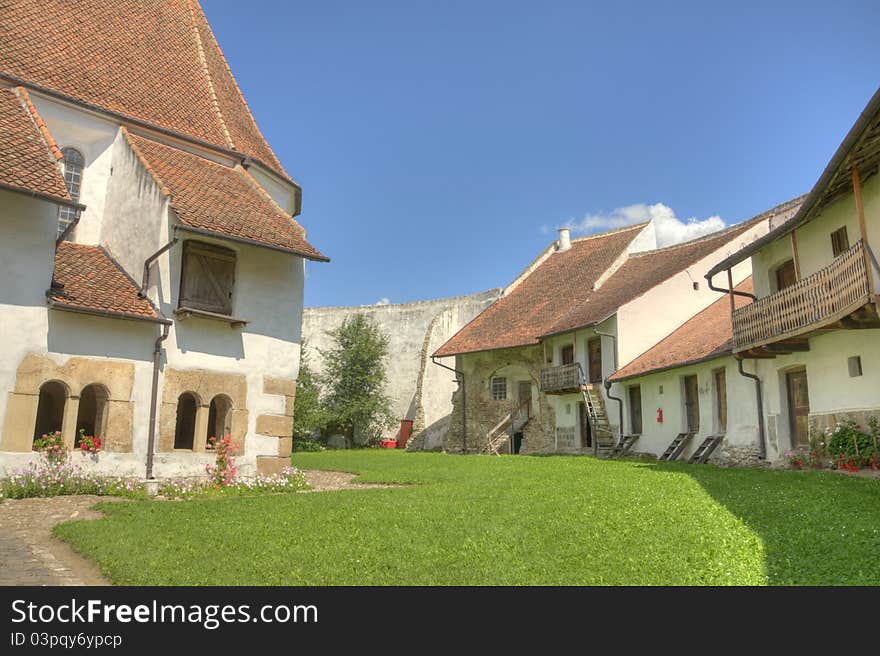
x=675, y=449
x=701, y=455
x=624, y=445
x=603, y=436
x=511, y=423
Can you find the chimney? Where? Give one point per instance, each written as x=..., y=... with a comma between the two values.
x=564, y=241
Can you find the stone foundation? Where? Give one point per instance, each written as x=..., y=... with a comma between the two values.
x=737, y=456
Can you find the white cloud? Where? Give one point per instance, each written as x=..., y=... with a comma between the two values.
x=383, y=301
x=670, y=229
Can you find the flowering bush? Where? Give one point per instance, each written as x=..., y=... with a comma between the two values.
x=89, y=443
x=47, y=478
x=289, y=480
x=851, y=447
x=51, y=445
x=222, y=472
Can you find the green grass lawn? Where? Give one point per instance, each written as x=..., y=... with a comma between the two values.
x=504, y=520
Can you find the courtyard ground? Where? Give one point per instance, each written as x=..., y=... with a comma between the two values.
x=503, y=520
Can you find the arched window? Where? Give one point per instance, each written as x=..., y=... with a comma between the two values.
x=73, y=163
x=185, y=430
x=219, y=418
x=50, y=408
x=91, y=417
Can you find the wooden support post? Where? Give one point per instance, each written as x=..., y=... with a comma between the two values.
x=794, y=255
x=863, y=228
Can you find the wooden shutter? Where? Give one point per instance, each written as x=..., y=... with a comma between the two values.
x=207, y=278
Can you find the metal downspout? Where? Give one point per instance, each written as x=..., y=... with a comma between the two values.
x=154, y=394
x=759, y=397
x=145, y=281
x=459, y=378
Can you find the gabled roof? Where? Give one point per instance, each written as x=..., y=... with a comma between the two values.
x=28, y=156
x=154, y=61
x=87, y=279
x=706, y=335
x=860, y=147
x=220, y=200
x=643, y=271
x=543, y=295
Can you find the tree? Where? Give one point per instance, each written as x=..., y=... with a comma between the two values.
x=354, y=380
x=309, y=414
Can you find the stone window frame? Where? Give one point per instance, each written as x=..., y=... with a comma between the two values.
x=227, y=417
x=66, y=398
x=102, y=410
x=196, y=412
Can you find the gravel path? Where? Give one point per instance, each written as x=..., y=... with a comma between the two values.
x=31, y=555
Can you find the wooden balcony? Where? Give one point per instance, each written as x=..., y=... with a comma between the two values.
x=832, y=298
x=565, y=379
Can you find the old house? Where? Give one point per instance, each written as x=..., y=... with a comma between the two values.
x=686, y=396
x=535, y=364
x=811, y=334
x=152, y=267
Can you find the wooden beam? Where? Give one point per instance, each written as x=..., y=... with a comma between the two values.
x=863, y=228
x=794, y=254
x=784, y=346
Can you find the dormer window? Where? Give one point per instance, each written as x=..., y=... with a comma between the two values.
x=207, y=278
x=73, y=164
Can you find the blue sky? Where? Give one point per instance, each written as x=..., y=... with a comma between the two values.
x=440, y=143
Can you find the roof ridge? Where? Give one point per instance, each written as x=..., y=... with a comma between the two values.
x=207, y=73
x=745, y=223
x=611, y=232
x=238, y=91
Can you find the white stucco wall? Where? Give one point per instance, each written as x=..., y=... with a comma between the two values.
x=281, y=193
x=93, y=137
x=664, y=390
x=831, y=389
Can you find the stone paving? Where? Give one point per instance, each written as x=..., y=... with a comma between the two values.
x=31, y=555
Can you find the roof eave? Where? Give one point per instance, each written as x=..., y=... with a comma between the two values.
x=57, y=305
x=677, y=365
x=252, y=242
x=42, y=196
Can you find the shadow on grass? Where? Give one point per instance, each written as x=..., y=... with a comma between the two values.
x=818, y=528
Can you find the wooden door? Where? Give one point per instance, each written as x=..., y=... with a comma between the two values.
x=691, y=404
x=584, y=424
x=524, y=391
x=798, y=408
x=567, y=354
x=785, y=276
x=635, y=410
x=721, y=400
x=594, y=359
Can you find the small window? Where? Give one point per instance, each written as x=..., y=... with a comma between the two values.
x=207, y=278
x=91, y=418
x=785, y=275
x=73, y=163
x=50, y=408
x=635, y=409
x=185, y=428
x=219, y=418
x=839, y=241
x=855, y=366
x=499, y=388
x=567, y=354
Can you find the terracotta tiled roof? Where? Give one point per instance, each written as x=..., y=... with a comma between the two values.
x=706, y=335
x=155, y=61
x=220, y=199
x=87, y=279
x=543, y=296
x=642, y=271
x=26, y=159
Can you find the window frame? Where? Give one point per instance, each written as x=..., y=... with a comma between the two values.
x=496, y=392
x=838, y=236
x=68, y=215
x=191, y=249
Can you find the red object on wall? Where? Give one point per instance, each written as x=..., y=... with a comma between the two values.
x=405, y=433
x=659, y=415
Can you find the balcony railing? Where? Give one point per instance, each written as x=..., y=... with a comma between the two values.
x=565, y=378
x=814, y=302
